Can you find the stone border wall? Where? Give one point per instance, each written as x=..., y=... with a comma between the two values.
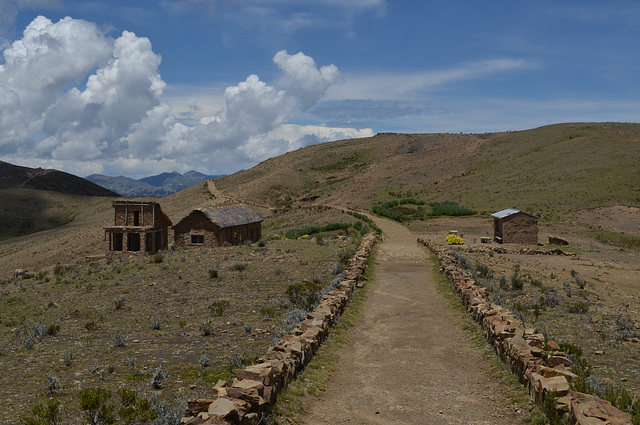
x=541, y=366
x=256, y=387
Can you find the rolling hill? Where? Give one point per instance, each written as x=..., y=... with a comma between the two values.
x=33, y=200
x=17, y=177
x=553, y=171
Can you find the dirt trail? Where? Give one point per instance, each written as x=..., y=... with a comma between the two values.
x=408, y=362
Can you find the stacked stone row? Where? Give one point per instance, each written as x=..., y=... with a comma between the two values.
x=256, y=387
x=538, y=363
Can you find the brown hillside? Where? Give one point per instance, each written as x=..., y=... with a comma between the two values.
x=551, y=170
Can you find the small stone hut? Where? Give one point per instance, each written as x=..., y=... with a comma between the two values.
x=514, y=226
x=138, y=226
x=216, y=227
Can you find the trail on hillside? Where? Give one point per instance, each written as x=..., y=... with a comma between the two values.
x=222, y=196
x=408, y=361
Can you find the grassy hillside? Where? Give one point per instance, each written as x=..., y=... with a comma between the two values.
x=553, y=170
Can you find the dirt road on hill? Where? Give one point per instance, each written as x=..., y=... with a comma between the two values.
x=408, y=361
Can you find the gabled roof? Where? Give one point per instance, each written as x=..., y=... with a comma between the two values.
x=228, y=216
x=508, y=212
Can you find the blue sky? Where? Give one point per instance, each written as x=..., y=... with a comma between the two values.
x=138, y=88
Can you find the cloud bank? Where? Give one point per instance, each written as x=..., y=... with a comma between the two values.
x=72, y=97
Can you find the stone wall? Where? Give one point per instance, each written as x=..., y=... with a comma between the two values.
x=256, y=387
x=539, y=364
x=520, y=228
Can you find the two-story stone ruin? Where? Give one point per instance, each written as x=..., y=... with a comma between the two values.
x=138, y=227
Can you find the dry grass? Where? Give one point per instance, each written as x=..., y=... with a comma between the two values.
x=120, y=320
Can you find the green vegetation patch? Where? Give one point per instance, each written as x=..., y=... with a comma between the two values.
x=400, y=210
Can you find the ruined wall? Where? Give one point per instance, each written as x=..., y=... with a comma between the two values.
x=539, y=364
x=256, y=388
x=126, y=215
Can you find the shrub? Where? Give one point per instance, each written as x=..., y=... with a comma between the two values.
x=517, y=282
x=238, y=267
x=120, y=302
x=248, y=328
x=53, y=384
x=204, y=360
x=69, y=357
x=156, y=325
x=91, y=326
x=169, y=413
x=218, y=307
x=454, y=240
x=483, y=271
x=97, y=406
x=119, y=340
x=624, y=327
x=157, y=258
x=449, y=209
x=207, y=328
x=462, y=261
x=580, y=307
x=262, y=243
x=213, y=273
x=345, y=255
x=129, y=362
x=157, y=382
x=52, y=329
x=48, y=413
x=304, y=295
x=135, y=409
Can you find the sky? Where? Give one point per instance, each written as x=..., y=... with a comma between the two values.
x=141, y=87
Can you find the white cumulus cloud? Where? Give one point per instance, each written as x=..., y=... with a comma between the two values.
x=72, y=95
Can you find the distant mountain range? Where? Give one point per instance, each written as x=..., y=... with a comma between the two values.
x=159, y=185
x=17, y=177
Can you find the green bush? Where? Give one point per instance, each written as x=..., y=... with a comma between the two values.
x=135, y=409
x=580, y=307
x=304, y=295
x=239, y=267
x=48, y=413
x=157, y=258
x=218, y=307
x=97, y=407
x=52, y=329
x=449, y=209
x=312, y=230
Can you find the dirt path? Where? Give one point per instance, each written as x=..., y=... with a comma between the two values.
x=408, y=362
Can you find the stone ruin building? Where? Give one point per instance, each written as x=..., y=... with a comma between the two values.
x=138, y=227
x=514, y=226
x=216, y=227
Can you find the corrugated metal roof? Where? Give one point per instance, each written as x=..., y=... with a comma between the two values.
x=232, y=216
x=505, y=213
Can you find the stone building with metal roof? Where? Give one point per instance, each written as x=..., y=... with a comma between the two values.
x=515, y=226
x=216, y=227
